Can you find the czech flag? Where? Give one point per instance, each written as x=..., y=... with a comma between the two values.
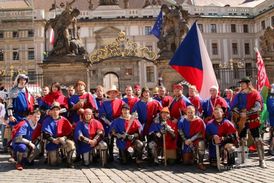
x=192, y=61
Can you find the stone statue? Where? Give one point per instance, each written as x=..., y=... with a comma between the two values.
x=174, y=27
x=108, y=2
x=64, y=39
x=267, y=41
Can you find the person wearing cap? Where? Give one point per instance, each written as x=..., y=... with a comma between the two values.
x=147, y=109
x=228, y=98
x=20, y=102
x=130, y=99
x=247, y=104
x=88, y=135
x=163, y=126
x=55, y=95
x=270, y=108
x=180, y=102
x=195, y=99
x=191, y=130
x=221, y=132
x=23, y=138
x=81, y=101
x=110, y=110
x=163, y=98
x=127, y=130
x=57, y=130
x=214, y=101
x=137, y=90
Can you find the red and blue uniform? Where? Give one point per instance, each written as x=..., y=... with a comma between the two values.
x=209, y=104
x=22, y=103
x=111, y=109
x=90, y=102
x=171, y=142
x=270, y=108
x=222, y=129
x=191, y=128
x=88, y=130
x=48, y=100
x=197, y=103
x=178, y=107
x=121, y=126
x=56, y=128
x=165, y=101
x=147, y=111
x=246, y=101
x=24, y=129
x=131, y=101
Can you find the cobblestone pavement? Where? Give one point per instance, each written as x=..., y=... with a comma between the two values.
x=40, y=172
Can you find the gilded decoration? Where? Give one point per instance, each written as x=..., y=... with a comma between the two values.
x=122, y=47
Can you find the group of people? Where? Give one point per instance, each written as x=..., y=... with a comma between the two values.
x=144, y=125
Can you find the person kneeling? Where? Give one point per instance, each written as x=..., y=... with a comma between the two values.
x=127, y=130
x=24, y=149
x=88, y=135
x=57, y=130
x=192, y=131
x=162, y=136
x=221, y=134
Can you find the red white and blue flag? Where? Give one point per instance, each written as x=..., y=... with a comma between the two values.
x=192, y=61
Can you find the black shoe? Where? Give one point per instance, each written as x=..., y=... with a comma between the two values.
x=77, y=159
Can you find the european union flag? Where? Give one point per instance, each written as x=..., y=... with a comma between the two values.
x=156, y=30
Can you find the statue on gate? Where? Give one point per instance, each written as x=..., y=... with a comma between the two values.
x=66, y=41
x=173, y=29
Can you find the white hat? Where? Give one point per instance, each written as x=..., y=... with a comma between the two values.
x=113, y=88
x=214, y=87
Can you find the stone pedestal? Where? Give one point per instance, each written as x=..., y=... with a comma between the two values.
x=65, y=69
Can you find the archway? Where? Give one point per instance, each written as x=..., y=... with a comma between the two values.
x=110, y=79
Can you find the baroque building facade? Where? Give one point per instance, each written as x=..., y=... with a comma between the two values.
x=231, y=29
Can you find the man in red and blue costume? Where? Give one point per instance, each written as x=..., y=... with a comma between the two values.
x=179, y=103
x=162, y=126
x=81, y=101
x=270, y=109
x=23, y=135
x=127, y=130
x=20, y=102
x=88, y=136
x=220, y=131
x=163, y=98
x=214, y=101
x=248, y=105
x=147, y=109
x=109, y=111
x=57, y=130
x=195, y=99
x=130, y=99
x=191, y=130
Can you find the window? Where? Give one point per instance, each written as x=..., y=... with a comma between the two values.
x=234, y=48
x=15, y=34
x=201, y=27
x=214, y=47
x=272, y=21
x=213, y=28
x=216, y=68
x=147, y=30
x=263, y=24
x=248, y=69
x=1, y=55
x=150, y=73
x=32, y=75
x=15, y=54
x=247, y=49
x=30, y=54
x=1, y=34
x=129, y=71
x=245, y=27
x=233, y=27
x=30, y=33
